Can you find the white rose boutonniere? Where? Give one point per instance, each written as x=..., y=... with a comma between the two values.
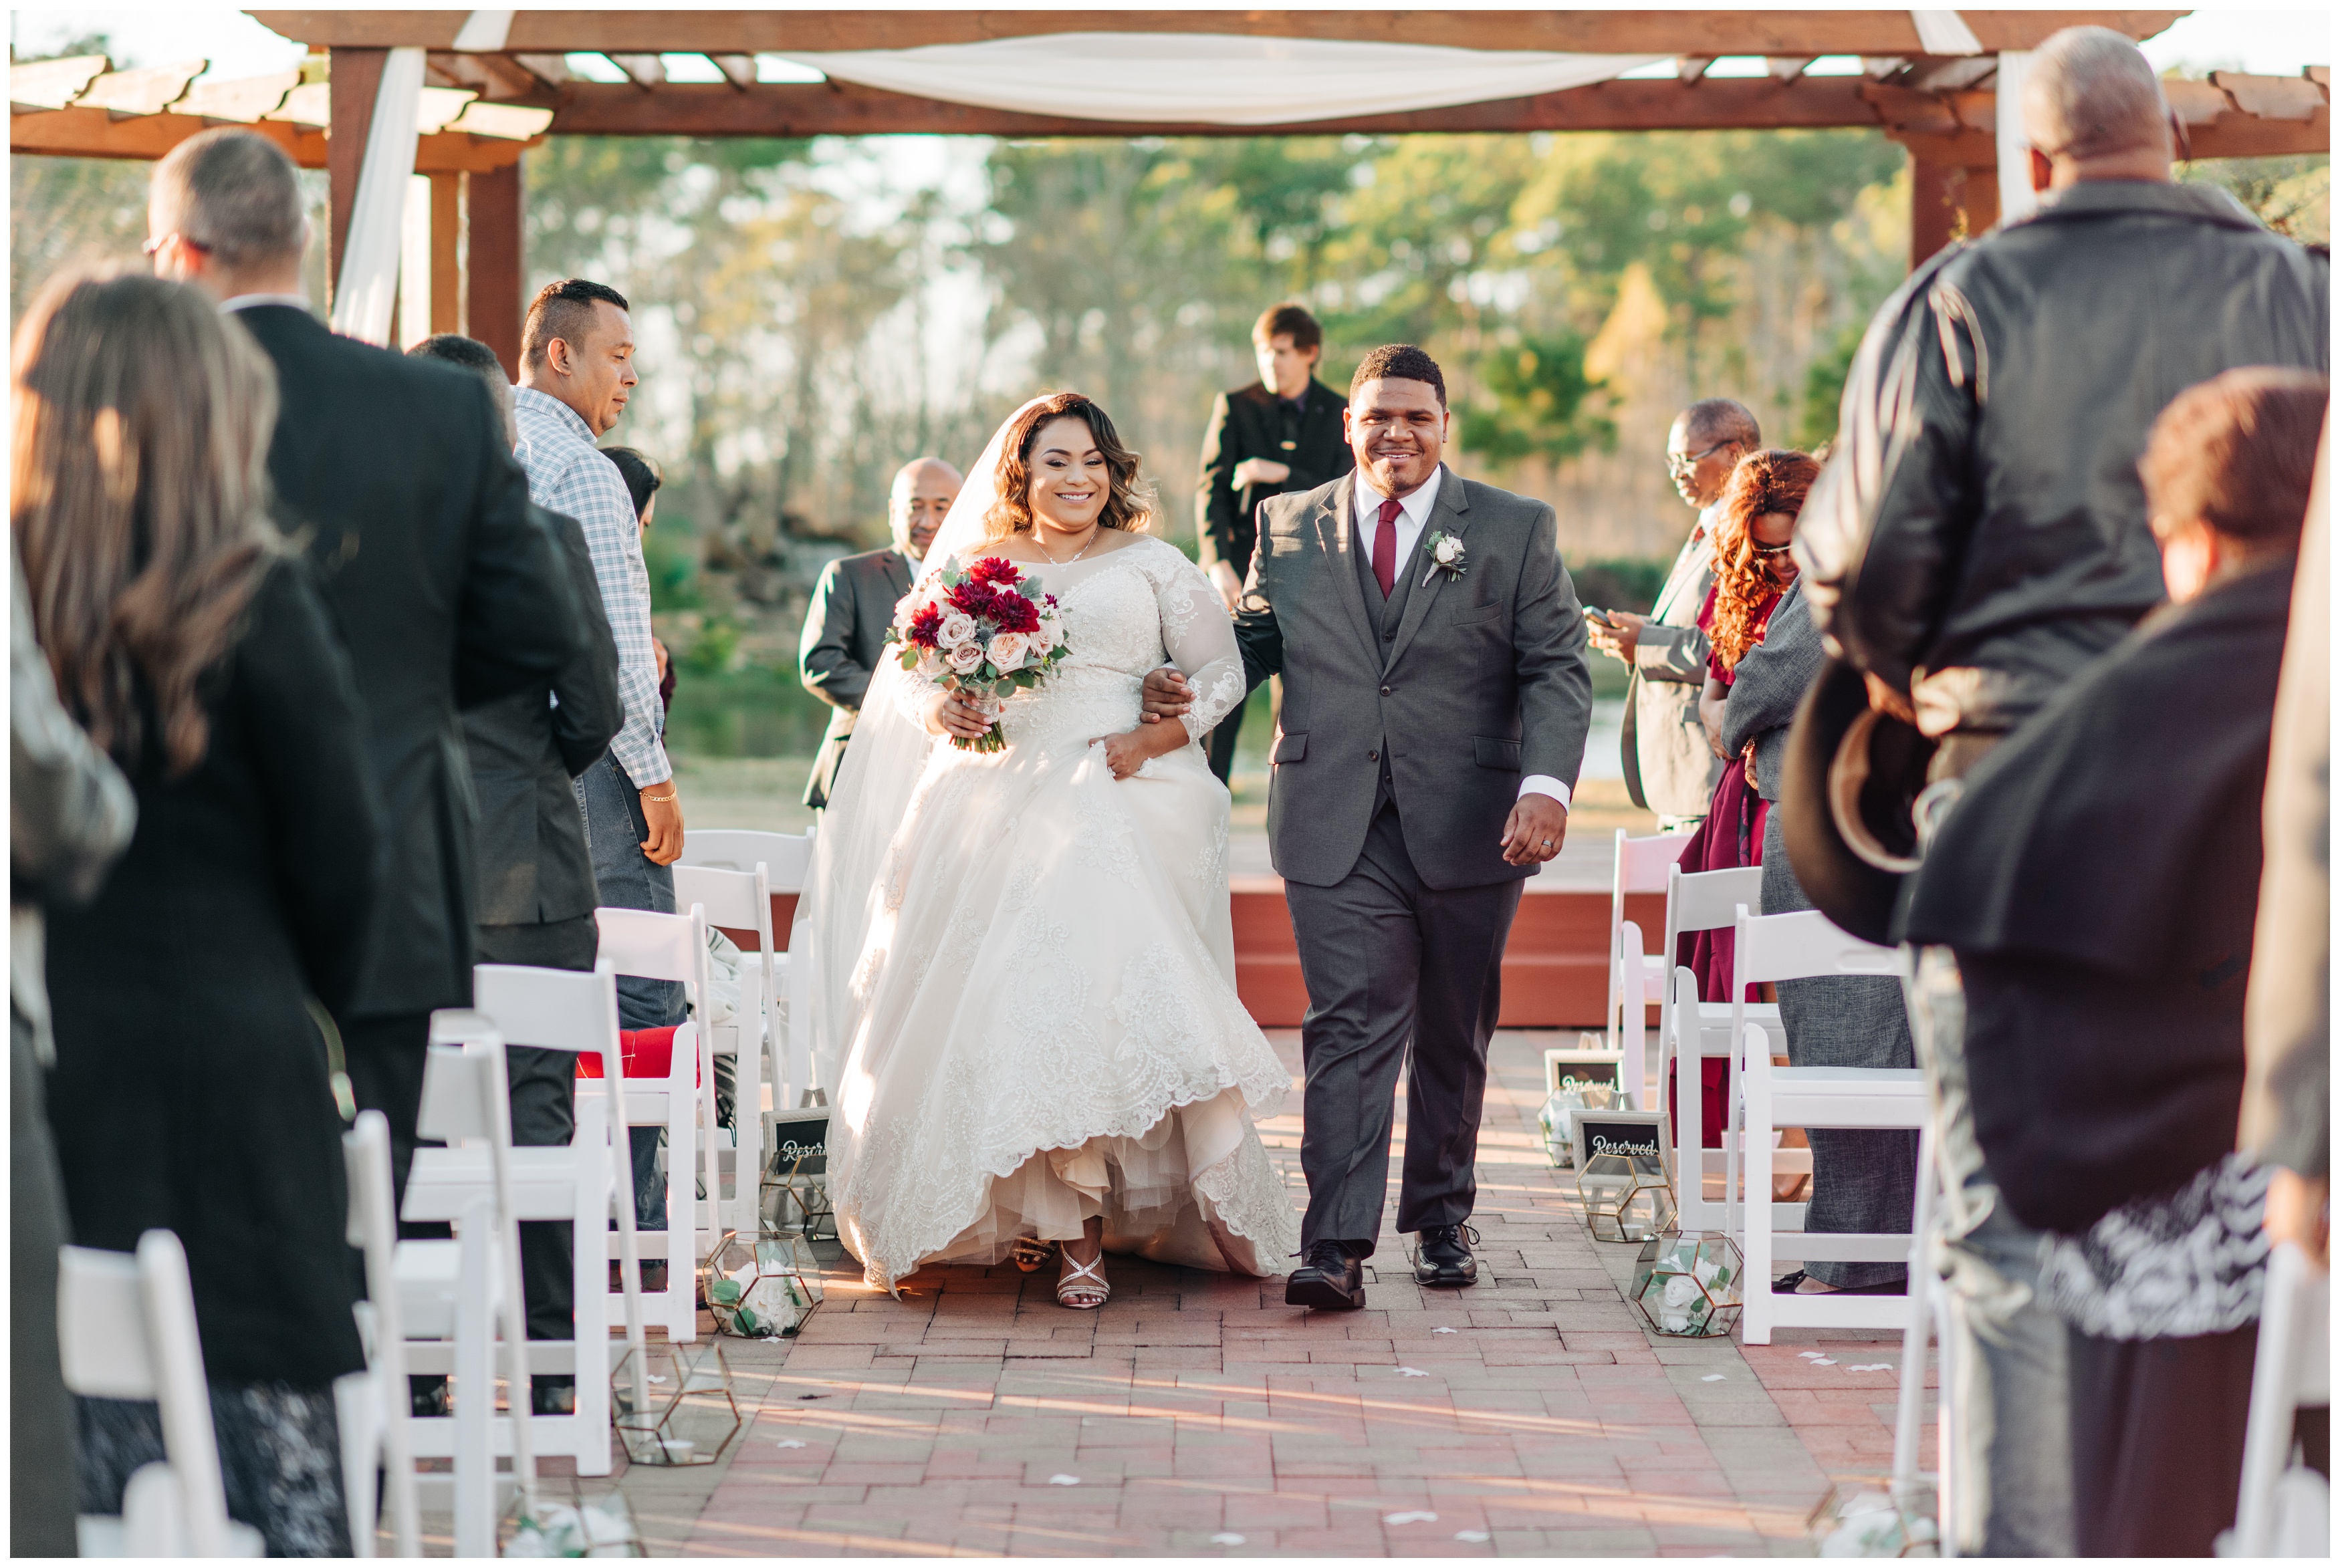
x=1446, y=554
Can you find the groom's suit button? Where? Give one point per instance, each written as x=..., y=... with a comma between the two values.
x=1372, y=756
x=1385, y=691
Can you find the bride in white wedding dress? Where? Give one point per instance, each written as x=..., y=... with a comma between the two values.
x=1023, y=965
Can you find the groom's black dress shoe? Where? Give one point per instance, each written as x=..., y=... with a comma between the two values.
x=1328, y=1279
x=1444, y=1256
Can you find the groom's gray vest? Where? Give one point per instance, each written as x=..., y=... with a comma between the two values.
x=1454, y=688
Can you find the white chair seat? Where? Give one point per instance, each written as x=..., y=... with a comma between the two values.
x=427, y=1271
x=1848, y=1097
x=1805, y=945
x=543, y=1180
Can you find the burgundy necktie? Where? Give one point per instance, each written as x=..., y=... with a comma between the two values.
x=1385, y=548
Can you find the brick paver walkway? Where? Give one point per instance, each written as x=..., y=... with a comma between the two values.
x=1198, y=1414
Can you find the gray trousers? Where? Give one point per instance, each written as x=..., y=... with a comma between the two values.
x=1389, y=961
x=2013, y=1488
x=1863, y=1183
x=614, y=831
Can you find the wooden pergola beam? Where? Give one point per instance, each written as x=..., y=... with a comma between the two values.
x=1782, y=32
x=845, y=109
x=77, y=133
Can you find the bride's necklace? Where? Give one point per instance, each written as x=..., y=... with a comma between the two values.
x=1094, y=529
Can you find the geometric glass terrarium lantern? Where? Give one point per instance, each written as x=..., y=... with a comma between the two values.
x=1622, y=1174
x=1561, y=1108
x=692, y=1416
x=1687, y=1283
x=763, y=1289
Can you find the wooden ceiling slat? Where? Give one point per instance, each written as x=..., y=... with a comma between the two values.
x=1783, y=32
x=142, y=91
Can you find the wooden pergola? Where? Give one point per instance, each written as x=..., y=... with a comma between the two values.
x=1941, y=105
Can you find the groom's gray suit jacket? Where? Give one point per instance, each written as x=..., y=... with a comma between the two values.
x=1481, y=681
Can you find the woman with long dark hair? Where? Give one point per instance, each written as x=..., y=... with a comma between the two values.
x=192, y=1090
x=1024, y=956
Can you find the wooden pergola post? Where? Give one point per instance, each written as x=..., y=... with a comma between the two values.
x=446, y=251
x=1953, y=189
x=492, y=301
x=356, y=79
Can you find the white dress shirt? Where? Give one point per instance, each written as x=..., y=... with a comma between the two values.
x=1412, y=517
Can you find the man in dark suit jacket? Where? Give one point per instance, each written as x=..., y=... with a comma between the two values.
x=1435, y=706
x=536, y=892
x=446, y=584
x=853, y=604
x=1278, y=435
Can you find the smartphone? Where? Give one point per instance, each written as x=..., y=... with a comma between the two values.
x=1595, y=613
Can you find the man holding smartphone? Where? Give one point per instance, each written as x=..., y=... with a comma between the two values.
x=1670, y=768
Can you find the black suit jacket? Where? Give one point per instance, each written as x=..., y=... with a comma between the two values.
x=844, y=638
x=191, y=1092
x=533, y=865
x=448, y=591
x=1249, y=422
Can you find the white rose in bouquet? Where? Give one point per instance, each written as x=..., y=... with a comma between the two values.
x=966, y=658
x=1009, y=650
x=1052, y=627
x=958, y=628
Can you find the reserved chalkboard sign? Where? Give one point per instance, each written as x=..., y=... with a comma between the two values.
x=798, y=1140
x=1583, y=1067
x=1631, y=1134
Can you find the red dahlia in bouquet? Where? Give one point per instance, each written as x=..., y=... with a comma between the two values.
x=985, y=633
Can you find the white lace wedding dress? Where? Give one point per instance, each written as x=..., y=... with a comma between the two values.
x=1045, y=1025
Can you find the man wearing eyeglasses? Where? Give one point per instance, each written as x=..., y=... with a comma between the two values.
x=1669, y=768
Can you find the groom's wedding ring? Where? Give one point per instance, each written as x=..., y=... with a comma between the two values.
x=1547, y=843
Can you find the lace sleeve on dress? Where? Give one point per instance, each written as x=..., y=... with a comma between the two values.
x=1200, y=640
x=915, y=689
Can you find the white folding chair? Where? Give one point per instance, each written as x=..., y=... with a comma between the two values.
x=1637, y=976
x=126, y=1330
x=785, y=860
x=2285, y=1510
x=582, y=1184
x=742, y=900
x=1806, y=945
x=372, y=1406
x=1690, y=1031
x=1929, y=1320
x=466, y=1102
x=652, y=946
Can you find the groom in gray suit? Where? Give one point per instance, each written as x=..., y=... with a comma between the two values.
x=1435, y=704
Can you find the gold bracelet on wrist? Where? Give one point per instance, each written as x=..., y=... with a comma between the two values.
x=660, y=799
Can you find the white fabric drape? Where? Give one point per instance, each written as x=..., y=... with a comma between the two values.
x=367, y=283
x=1214, y=79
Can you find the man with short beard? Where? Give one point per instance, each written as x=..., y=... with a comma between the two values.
x=1435, y=704
x=852, y=605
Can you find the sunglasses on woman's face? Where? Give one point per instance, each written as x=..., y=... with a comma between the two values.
x=1772, y=550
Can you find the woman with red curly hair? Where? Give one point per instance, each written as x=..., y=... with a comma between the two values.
x=1755, y=524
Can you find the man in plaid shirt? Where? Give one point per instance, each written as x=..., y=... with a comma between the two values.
x=577, y=351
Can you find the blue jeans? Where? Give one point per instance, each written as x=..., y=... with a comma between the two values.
x=614, y=831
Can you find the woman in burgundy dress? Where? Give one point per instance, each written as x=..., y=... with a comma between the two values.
x=1755, y=523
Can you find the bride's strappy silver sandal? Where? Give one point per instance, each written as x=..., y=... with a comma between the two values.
x=1085, y=1290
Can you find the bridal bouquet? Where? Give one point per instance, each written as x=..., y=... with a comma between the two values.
x=985, y=633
